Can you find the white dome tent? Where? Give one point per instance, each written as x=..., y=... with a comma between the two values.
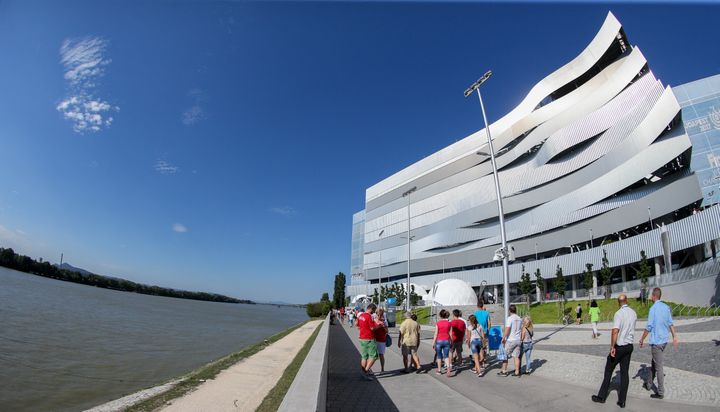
x=361, y=300
x=452, y=292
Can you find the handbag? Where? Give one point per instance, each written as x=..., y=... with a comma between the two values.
x=388, y=341
x=501, y=355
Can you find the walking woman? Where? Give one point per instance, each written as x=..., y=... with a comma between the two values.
x=527, y=343
x=441, y=342
x=594, y=317
x=474, y=341
x=381, y=335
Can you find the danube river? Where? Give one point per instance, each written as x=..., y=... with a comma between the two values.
x=68, y=347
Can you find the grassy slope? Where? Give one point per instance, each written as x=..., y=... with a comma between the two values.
x=423, y=315
x=209, y=371
x=273, y=399
x=550, y=312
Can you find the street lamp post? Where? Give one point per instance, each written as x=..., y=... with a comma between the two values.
x=475, y=87
x=407, y=195
x=380, y=264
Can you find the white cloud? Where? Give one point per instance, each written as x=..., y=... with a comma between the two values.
x=84, y=61
x=195, y=112
x=193, y=115
x=164, y=168
x=179, y=228
x=284, y=210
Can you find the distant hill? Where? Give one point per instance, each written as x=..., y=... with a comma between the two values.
x=67, y=266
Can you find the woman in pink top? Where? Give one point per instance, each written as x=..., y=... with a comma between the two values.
x=441, y=342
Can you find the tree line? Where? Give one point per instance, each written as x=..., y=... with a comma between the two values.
x=605, y=276
x=22, y=263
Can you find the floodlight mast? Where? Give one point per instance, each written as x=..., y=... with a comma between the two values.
x=409, y=238
x=504, y=249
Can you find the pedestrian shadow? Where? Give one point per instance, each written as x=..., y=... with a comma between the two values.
x=547, y=337
x=644, y=373
x=347, y=390
x=717, y=342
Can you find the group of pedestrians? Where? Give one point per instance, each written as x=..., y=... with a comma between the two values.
x=659, y=328
x=451, y=335
x=517, y=343
x=373, y=333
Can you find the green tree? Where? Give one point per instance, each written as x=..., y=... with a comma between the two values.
x=376, y=297
x=643, y=274
x=339, y=290
x=606, y=274
x=560, y=283
x=540, y=282
x=525, y=285
x=414, y=297
x=325, y=297
x=587, y=280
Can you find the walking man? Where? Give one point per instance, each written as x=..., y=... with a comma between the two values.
x=368, y=347
x=408, y=341
x=483, y=319
x=458, y=326
x=512, y=341
x=621, y=347
x=659, y=324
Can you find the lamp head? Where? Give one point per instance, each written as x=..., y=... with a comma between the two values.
x=478, y=83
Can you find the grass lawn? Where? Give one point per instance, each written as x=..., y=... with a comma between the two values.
x=423, y=316
x=209, y=371
x=550, y=312
x=273, y=399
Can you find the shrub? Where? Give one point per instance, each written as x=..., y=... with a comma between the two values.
x=318, y=309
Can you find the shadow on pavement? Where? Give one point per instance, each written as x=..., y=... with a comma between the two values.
x=347, y=390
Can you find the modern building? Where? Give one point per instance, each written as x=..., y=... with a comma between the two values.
x=597, y=160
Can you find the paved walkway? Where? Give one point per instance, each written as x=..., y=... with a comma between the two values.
x=243, y=386
x=563, y=380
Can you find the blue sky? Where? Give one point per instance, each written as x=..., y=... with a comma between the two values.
x=224, y=146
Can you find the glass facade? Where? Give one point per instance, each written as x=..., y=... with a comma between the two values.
x=356, y=254
x=700, y=102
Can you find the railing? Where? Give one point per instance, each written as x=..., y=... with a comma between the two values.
x=708, y=268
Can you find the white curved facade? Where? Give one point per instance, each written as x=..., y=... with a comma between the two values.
x=596, y=153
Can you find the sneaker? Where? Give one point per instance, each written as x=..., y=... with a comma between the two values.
x=501, y=373
x=656, y=396
x=529, y=371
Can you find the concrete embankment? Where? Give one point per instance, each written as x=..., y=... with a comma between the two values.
x=242, y=386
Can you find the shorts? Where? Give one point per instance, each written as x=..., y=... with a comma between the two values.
x=381, y=348
x=408, y=349
x=476, y=346
x=442, y=349
x=368, y=349
x=512, y=348
x=458, y=347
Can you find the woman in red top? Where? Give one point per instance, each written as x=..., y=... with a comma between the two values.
x=441, y=342
x=381, y=336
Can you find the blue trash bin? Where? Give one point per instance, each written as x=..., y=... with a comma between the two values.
x=494, y=337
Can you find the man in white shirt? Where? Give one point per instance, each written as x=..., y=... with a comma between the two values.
x=512, y=342
x=621, y=347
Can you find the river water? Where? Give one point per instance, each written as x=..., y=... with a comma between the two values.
x=68, y=347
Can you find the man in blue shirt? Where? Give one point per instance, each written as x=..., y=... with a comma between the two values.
x=483, y=319
x=659, y=324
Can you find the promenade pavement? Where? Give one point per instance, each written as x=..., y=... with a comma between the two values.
x=562, y=380
x=243, y=386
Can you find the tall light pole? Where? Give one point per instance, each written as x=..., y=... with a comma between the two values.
x=504, y=250
x=407, y=195
x=380, y=267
